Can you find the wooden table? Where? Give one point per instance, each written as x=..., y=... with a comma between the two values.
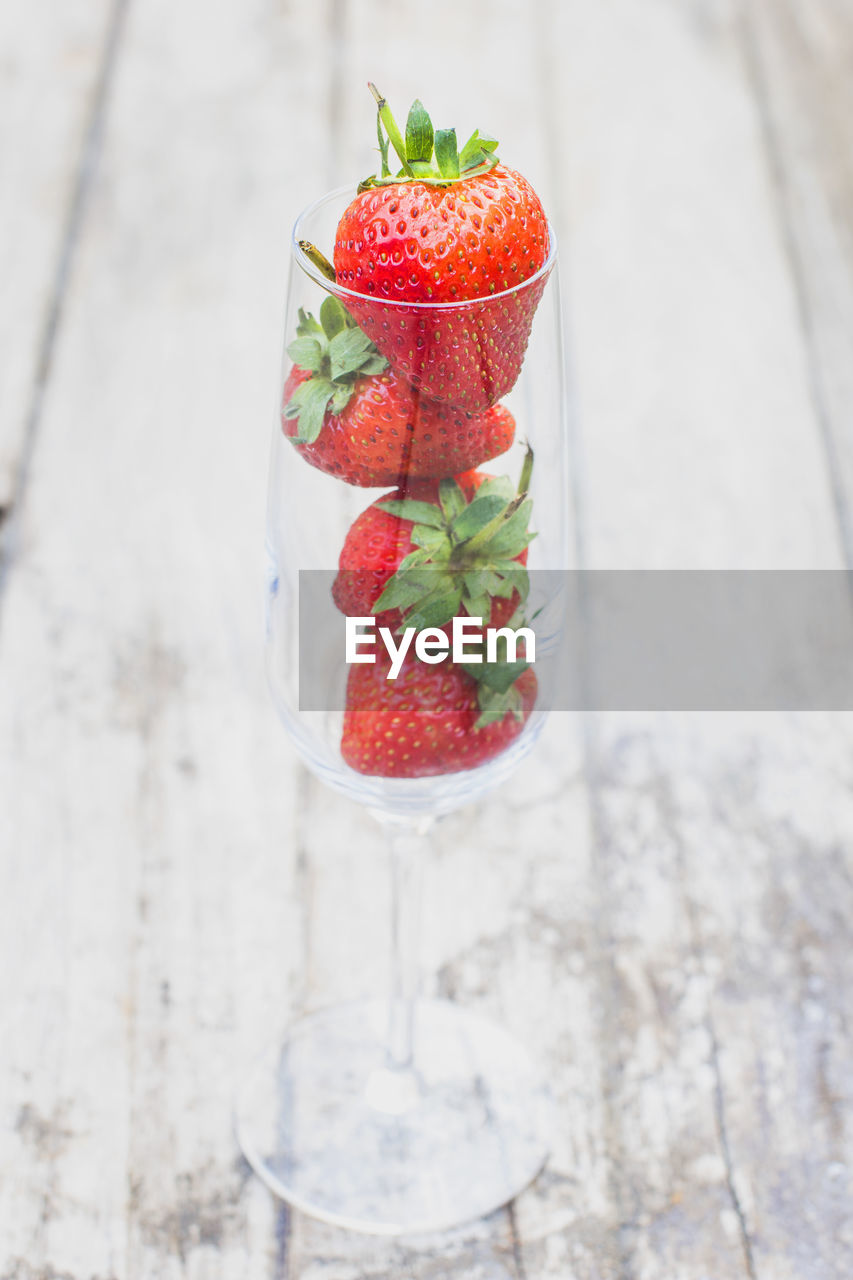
x=661, y=905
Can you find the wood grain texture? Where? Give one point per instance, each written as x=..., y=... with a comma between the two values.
x=698, y=432
x=705, y=449
x=56, y=66
x=658, y=906
x=774, y=826
x=800, y=59
x=149, y=811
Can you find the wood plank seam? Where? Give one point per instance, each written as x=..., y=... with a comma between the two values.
x=700, y=951
x=757, y=81
x=606, y=1001
x=515, y=1240
x=283, y=1225
x=72, y=228
x=722, y=1131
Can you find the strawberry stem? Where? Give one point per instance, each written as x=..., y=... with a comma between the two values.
x=317, y=259
x=392, y=128
x=427, y=155
x=383, y=147
x=526, y=472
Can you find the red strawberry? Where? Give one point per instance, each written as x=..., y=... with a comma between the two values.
x=350, y=415
x=462, y=229
x=428, y=721
x=438, y=549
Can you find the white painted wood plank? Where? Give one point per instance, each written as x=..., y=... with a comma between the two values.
x=789, y=1022
x=800, y=59
x=51, y=58
x=199, y=887
x=752, y=822
x=150, y=794
x=766, y=840
x=702, y=448
x=699, y=435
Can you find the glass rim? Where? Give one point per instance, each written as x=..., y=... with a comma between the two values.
x=307, y=266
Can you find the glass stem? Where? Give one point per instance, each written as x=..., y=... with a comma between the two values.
x=408, y=848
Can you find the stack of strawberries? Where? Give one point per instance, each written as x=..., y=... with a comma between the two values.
x=387, y=391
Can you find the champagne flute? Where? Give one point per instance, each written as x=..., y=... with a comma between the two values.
x=401, y=1114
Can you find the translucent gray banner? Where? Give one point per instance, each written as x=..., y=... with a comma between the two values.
x=656, y=640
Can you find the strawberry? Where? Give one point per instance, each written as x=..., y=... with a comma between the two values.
x=428, y=721
x=351, y=415
x=452, y=227
x=422, y=555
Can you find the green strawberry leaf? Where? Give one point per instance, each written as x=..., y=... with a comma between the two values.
x=311, y=399
x=476, y=516
x=308, y=326
x=412, y=509
x=507, y=566
x=337, y=348
x=292, y=410
x=520, y=618
x=478, y=606
x=471, y=150
x=431, y=538
x=451, y=497
x=419, y=135
x=492, y=583
x=414, y=560
x=515, y=525
x=474, y=581
x=480, y=586
x=446, y=154
x=437, y=607
x=416, y=149
x=418, y=581
x=503, y=588
x=341, y=397
x=499, y=676
x=374, y=364
x=510, y=541
x=494, y=711
x=481, y=540
x=501, y=486
x=513, y=577
x=401, y=592
x=348, y=350
x=334, y=317
x=307, y=353
x=477, y=150
x=494, y=705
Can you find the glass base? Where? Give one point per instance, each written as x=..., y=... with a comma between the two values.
x=337, y=1132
